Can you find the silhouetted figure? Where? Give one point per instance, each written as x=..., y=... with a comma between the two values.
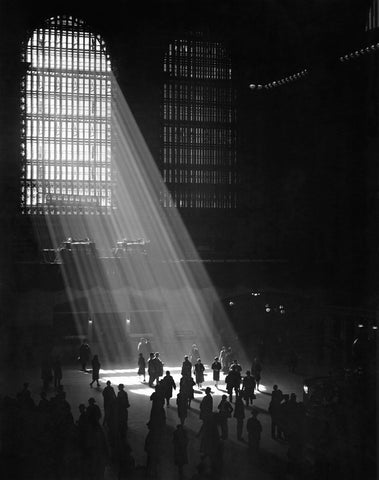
x=157, y=412
x=282, y=418
x=274, y=410
x=248, y=388
x=186, y=388
x=142, y=366
x=97, y=451
x=256, y=370
x=84, y=355
x=225, y=412
x=239, y=415
x=122, y=405
x=151, y=369
x=95, y=370
x=199, y=372
x=167, y=385
x=158, y=366
x=93, y=411
x=235, y=366
x=210, y=439
x=182, y=406
x=109, y=397
x=186, y=367
x=154, y=450
x=276, y=394
x=216, y=368
x=233, y=382
x=25, y=399
x=180, y=441
x=206, y=405
x=57, y=371
x=82, y=432
x=44, y=404
x=254, y=430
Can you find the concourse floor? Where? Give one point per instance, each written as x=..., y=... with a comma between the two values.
x=271, y=463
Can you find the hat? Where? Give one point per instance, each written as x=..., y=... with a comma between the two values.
x=208, y=389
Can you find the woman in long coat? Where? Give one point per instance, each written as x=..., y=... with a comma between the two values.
x=95, y=370
x=142, y=366
x=199, y=373
x=216, y=367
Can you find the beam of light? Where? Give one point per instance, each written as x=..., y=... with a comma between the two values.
x=173, y=295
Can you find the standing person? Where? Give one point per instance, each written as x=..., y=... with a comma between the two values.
x=158, y=365
x=186, y=387
x=182, y=404
x=186, y=367
x=57, y=371
x=248, y=388
x=225, y=412
x=221, y=358
x=157, y=413
x=235, y=366
x=239, y=415
x=122, y=405
x=216, y=367
x=180, y=441
x=206, y=405
x=109, y=396
x=254, y=430
x=95, y=370
x=82, y=429
x=194, y=355
x=84, y=355
x=256, y=370
x=210, y=442
x=151, y=369
x=233, y=382
x=93, y=411
x=167, y=384
x=199, y=372
x=142, y=366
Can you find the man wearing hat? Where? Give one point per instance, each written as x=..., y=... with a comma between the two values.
x=206, y=405
x=122, y=405
x=93, y=411
x=206, y=408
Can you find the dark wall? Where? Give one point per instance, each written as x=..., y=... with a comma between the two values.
x=302, y=148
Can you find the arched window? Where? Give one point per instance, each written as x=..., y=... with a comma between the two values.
x=198, y=154
x=66, y=132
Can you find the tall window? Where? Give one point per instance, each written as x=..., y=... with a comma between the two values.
x=67, y=121
x=198, y=154
x=373, y=16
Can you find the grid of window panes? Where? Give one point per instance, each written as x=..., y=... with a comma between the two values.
x=198, y=153
x=67, y=122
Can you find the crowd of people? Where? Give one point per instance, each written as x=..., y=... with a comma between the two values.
x=50, y=443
